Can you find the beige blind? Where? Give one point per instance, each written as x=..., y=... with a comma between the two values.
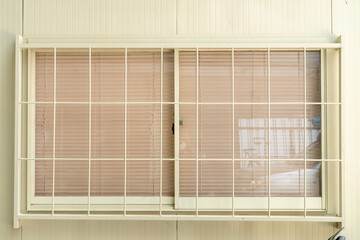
x=251, y=123
x=107, y=119
x=214, y=130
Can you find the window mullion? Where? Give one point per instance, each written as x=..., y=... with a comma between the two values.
x=304, y=131
x=125, y=131
x=269, y=130
x=53, y=150
x=233, y=129
x=176, y=129
x=161, y=126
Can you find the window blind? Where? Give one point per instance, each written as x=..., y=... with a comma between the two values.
x=259, y=121
x=106, y=114
x=124, y=117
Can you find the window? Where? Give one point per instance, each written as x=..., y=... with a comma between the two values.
x=180, y=132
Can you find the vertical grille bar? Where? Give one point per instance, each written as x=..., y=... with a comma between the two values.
x=53, y=152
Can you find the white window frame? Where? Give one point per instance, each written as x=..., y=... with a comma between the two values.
x=162, y=204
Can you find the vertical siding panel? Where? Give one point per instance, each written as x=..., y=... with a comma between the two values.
x=278, y=18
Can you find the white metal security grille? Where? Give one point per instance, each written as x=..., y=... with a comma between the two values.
x=217, y=102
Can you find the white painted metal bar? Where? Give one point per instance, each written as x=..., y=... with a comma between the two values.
x=186, y=159
x=197, y=131
x=342, y=128
x=176, y=129
x=17, y=133
x=305, y=120
x=191, y=103
x=54, y=142
x=125, y=132
x=181, y=217
x=233, y=129
x=161, y=127
x=269, y=131
x=203, y=46
x=90, y=99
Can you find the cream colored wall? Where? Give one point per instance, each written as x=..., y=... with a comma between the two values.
x=180, y=21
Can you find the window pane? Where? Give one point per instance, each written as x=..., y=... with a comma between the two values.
x=287, y=76
x=168, y=75
x=313, y=76
x=251, y=76
x=187, y=76
x=287, y=179
x=251, y=131
x=287, y=131
x=143, y=75
x=215, y=76
x=143, y=131
x=215, y=178
x=108, y=75
x=44, y=130
x=251, y=178
x=71, y=177
x=108, y=131
x=72, y=76
x=215, y=131
x=44, y=76
x=107, y=178
x=72, y=131
x=313, y=132
x=292, y=173
x=143, y=178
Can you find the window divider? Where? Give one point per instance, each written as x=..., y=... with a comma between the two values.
x=305, y=126
x=269, y=131
x=161, y=126
x=233, y=129
x=176, y=129
x=90, y=106
x=197, y=131
x=125, y=130
x=54, y=142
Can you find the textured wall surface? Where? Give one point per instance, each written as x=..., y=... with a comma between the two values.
x=182, y=20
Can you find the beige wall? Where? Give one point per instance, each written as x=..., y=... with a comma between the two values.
x=180, y=21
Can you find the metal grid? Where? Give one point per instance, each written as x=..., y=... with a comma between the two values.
x=19, y=214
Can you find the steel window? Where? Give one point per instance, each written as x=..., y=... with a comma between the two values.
x=187, y=94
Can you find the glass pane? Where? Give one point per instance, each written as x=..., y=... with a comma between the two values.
x=287, y=131
x=143, y=131
x=313, y=132
x=251, y=131
x=215, y=178
x=44, y=130
x=107, y=178
x=215, y=131
x=251, y=179
x=107, y=75
x=287, y=179
x=108, y=131
x=251, y=76
x=313, y=76
x=215, y=76
x=287, y=76
x=71, y=177
x=187, y=76
x=72, y=76
x=43, y=177
x=44, y=76
x=72, y=131
x=143, y=75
